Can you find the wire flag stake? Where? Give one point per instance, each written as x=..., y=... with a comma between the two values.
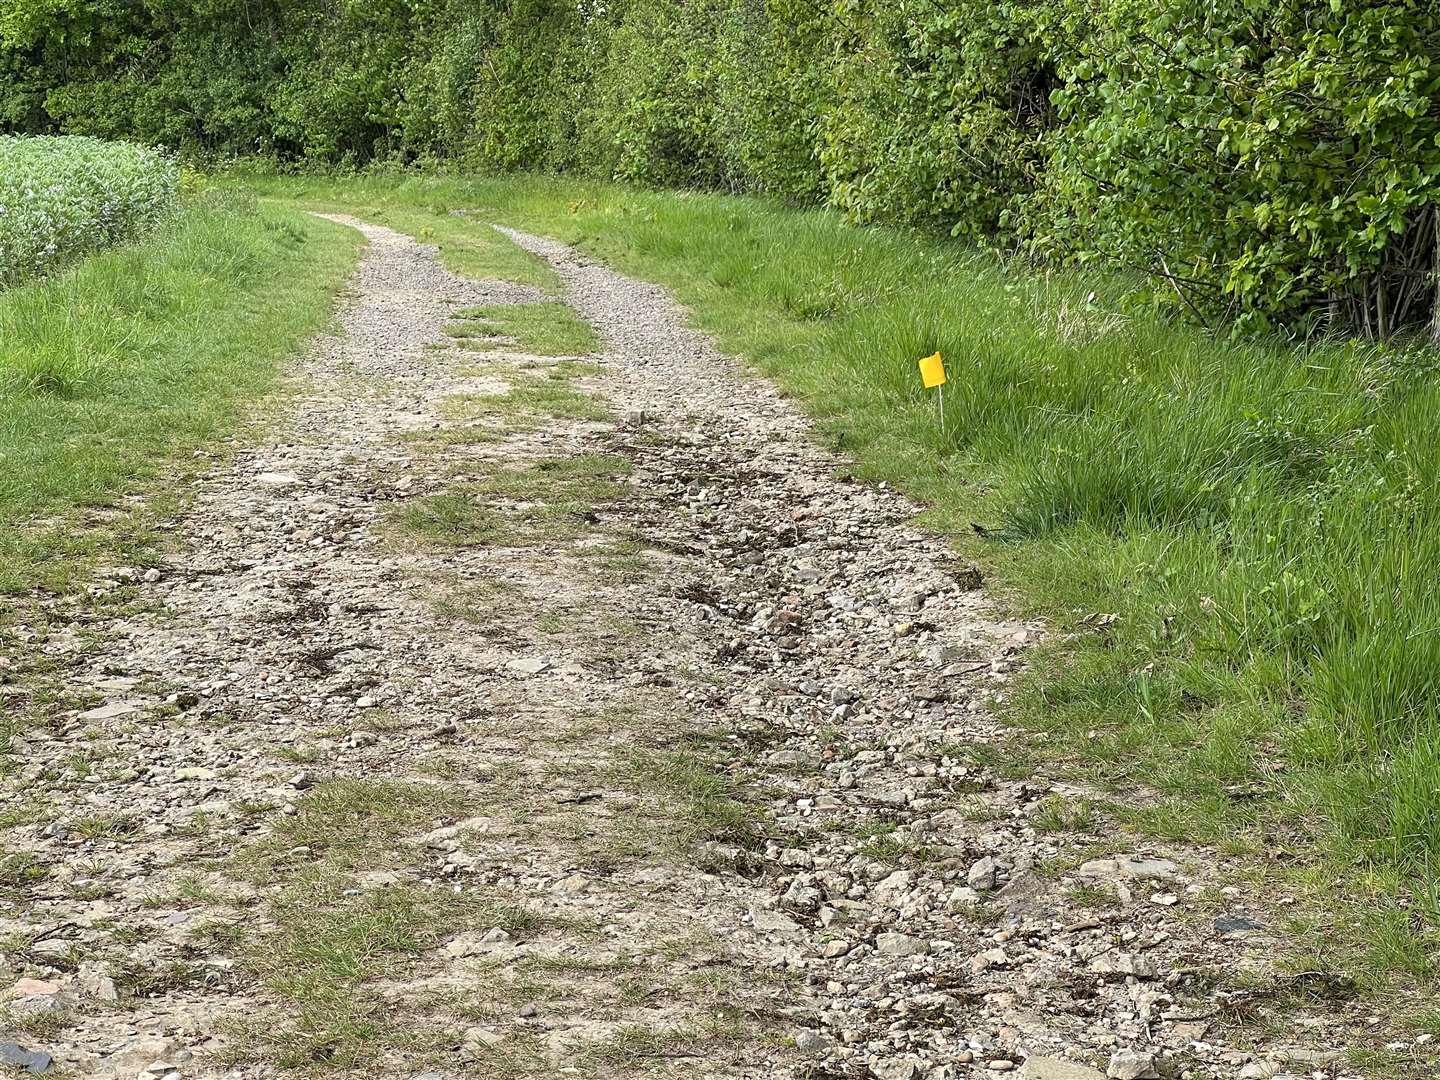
x=932, y=374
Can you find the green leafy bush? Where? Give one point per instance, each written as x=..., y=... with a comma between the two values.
x=1277, y=163
x=66, y=197
x=1274, y=166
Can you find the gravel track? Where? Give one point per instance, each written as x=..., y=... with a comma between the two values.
x=722, y=736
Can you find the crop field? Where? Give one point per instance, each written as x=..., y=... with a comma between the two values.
x=68, y=196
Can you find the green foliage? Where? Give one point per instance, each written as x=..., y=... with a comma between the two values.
x=62, y=198
x=1277, y=165
x=943, y=113
x=1277, y=162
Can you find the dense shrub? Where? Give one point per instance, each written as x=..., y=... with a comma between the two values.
x=1276, y=161
x=1277, y=165
x=64, y=197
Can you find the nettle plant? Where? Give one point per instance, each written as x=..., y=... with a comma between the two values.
x=62, y=198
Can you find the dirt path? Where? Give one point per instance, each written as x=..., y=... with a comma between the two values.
x=503, y=715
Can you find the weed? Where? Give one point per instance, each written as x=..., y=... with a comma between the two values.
x=1055, y=813
x=704, y=803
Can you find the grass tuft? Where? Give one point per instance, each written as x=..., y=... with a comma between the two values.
x=549, y=329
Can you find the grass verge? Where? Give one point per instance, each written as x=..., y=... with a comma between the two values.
x=112, y=373
x=1233, y=541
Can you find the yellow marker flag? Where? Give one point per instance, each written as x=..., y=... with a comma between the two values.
x=932, y=371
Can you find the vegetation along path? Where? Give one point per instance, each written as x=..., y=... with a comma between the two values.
x=530, y=702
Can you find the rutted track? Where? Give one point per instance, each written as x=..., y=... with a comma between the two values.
x=513, y=751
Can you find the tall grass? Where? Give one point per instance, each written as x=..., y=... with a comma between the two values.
x=114, y=369
x=1264, y=520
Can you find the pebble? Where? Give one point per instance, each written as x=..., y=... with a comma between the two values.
x=19, y=1057
x=981, y=876
x=813, y=1043
x=1038, y=1067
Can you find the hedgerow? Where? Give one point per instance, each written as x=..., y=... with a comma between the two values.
x=1263, y=166
x=65, y=197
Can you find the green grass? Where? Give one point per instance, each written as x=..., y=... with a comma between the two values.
x=467, y=244
x=544, y=501
x=700, y=801
x=533, y=398
x=349, y=823
x=113, y=372
x=332, y=941
x=548, y=329
x=1261, y=520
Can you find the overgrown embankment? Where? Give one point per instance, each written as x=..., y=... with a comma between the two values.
x=1233, y=541
x=1276, y=164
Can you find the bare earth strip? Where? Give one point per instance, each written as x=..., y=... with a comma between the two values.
x=504, y=715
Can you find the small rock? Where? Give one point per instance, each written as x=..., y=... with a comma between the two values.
x=889, y=889
x=96, y=984
x=1128, y=866
x=276, y=479
x=18, y=1057
x=813, y=1043
x=1232, y=924
x=766, y=921
x=1048, y=1068
x=34, y=987
x=791, y=759
x=573, y=885
x=906, y=1068
x=471, y=944
x=36, y=1004
x=1131, y=1065
x=482, y=1036
x=108, y=712
x=901, y=945
x=528, y=665
x=981, y=877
